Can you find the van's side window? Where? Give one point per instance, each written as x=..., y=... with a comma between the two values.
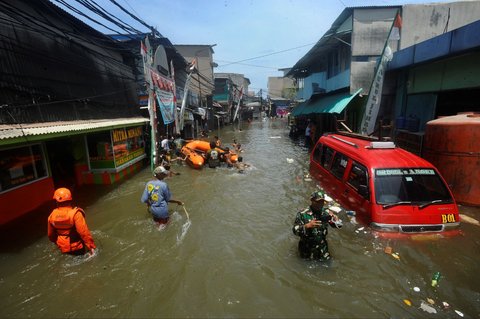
x=317, y=153
x=358, y=176
x=327, y=156
x=339, y=165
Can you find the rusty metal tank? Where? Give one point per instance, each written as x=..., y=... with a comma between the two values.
x=452, y=144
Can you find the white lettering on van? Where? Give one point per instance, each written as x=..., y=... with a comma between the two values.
x=407, y=171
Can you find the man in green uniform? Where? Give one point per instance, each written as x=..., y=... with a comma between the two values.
x=311, y=225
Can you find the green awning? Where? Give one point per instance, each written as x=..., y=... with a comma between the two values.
x=335, y=103
x=297, y=110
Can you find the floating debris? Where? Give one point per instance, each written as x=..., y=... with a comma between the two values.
x=407, y=302
x=396, y=256
x=468, y=219
x=436, y=278
x=416, y=289
x=459, y=313
x=388, y=250
x=327, y=198
x=446, y=305
x=426, y=307
x=430, y=301
x=289, y=160
x=335, y=209
x=359, y=230
x=350, y=212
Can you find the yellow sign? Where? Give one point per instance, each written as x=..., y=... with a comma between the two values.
x=129, y=157
x=122, y=135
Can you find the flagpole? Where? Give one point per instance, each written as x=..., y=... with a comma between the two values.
x=185, y=93
x=238, y=104
x=175, y=113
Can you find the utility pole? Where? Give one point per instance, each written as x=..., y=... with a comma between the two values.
x=261, y=103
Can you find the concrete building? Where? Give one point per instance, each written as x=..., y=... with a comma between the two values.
x=229, y=87
x=281, y=93
x=336, y=75
x=281, y=86
x=199, y=105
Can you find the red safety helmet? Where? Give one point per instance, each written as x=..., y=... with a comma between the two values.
x=62, y=195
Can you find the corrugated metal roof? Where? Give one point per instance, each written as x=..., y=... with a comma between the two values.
x=34, y=129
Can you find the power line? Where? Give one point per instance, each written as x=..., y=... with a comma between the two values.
x=265, y=55
x=257, y=66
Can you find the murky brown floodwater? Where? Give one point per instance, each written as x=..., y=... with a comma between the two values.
x=237, y=256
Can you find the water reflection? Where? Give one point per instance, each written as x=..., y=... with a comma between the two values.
x=235, y=256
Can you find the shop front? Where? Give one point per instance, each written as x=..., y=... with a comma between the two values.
x=112, y=155
x=36, y=159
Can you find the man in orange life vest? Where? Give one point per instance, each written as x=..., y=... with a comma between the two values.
x=67, y=226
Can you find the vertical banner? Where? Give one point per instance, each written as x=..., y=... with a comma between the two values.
x=166, y=105
x=163, y=88
x=375, y=94
x=146, y=53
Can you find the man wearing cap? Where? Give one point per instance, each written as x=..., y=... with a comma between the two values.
x=311, y=225
x=157, y=196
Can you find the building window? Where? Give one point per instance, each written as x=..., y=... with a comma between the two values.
x=100, y=150
x=333, y=64
x=111, y=149
x=22, y=165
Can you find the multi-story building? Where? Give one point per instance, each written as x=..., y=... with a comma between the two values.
x=201, y=86
x=229, y=89
x=339, y=70
x=281, y=93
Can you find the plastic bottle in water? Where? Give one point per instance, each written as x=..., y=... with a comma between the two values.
x=435, y=278
x=350, y=212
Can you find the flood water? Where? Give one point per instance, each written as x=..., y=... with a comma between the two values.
x=236, y=255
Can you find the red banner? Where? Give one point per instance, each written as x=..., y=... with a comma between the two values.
x=161, y=82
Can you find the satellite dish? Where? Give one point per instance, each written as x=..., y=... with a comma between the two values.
x=160, y=61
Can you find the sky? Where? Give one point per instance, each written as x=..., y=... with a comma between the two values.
x=255, y=38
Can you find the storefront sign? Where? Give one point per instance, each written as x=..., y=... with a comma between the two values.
x=122, y=134
x=131, y=156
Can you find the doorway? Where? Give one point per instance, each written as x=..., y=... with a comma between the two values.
x=62, y=163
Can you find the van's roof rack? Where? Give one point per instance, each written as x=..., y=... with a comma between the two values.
x=359, y=136
x=344, y=141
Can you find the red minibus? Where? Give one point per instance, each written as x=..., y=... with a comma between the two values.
x=389, y=188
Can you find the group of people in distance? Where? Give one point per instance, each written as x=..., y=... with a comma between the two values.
x=214, y=158
x=68, y=229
